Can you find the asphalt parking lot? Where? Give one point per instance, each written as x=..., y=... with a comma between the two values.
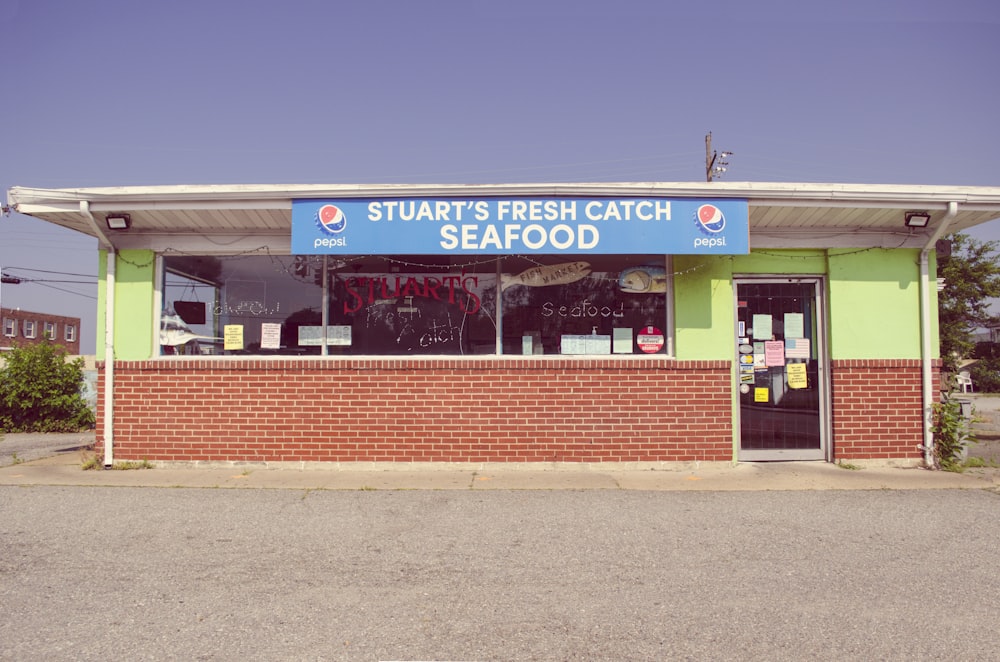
x=27, y=447
x=98, y=573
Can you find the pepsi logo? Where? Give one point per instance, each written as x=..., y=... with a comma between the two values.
x=711, y=219
x=331, y=219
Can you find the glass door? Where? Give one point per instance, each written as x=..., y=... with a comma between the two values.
x=780, y=350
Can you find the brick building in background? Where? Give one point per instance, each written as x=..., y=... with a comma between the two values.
x=26, y=327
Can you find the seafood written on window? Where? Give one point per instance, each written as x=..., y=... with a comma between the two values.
x=564, y=305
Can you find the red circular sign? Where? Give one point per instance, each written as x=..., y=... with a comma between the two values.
x=650, y=340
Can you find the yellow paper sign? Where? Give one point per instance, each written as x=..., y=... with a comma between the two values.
x=233, y=335
x=797, y=375
x=761, y=395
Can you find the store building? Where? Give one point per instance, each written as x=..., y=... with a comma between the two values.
x=632, y=322
x=27, y=327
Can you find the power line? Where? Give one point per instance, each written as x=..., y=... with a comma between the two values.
x=46, y=271
x=61, y=289
x=53, y=280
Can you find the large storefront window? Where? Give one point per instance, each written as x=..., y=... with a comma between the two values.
x=250, y=297
x=413, y=305
x=594, y=305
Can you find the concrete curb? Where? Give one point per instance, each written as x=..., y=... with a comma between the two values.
x=711, y=476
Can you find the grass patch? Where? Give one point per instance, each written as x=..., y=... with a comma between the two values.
x=848, y=466
x=970, y=463
x=980, y=463
x=127, y=465
x=94, y=462
x=91, y=463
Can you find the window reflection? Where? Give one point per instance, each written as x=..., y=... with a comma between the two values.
x=593, y=305
x=412, y=305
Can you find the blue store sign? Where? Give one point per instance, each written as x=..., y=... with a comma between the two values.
x=517, y=226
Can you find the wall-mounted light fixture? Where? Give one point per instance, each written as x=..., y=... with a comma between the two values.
x=917, y=219
x=118, y=221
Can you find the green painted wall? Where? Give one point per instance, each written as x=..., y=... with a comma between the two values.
x=776, y=261
x=703, y=307
x=134, y=272
x=874, y=304
x=873, y=300
x=102, y=302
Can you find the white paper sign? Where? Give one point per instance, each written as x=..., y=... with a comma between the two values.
x=270, y=336
x=762, y=327
x=335, y=335
x=793, y=325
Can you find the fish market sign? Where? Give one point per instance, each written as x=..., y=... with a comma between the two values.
x=511, y=226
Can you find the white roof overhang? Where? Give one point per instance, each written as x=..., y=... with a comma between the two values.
x=236, y=218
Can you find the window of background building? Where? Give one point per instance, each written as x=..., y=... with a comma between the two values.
x=10, y=327
x=411, y=305
x=29, y=328
x=50, y=330
x=69, y=333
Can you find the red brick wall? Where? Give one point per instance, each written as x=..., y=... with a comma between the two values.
x=402, y=410
x=877, y=410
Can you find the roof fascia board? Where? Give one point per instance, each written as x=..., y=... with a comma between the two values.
x=859, y=204
x=195, y=205
x=199, y=244
x=704, y=189
x=42, y=201
x=836, y=239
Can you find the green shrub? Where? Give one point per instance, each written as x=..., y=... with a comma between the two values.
x=986, y=375
x=951, y=434
x=41, y=392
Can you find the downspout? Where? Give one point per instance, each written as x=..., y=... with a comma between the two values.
x=109, y=337
x=925, y=333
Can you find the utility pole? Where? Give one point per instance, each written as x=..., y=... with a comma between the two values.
x=715, y=163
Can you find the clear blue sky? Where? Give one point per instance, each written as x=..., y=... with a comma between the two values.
x=122, y=92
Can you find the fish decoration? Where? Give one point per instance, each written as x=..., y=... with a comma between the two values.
x=643, y=280
x=545, y=275
x=174, y=331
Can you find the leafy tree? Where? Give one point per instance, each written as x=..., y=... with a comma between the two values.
x=971, y=278
x=41, y=392
x=986, y=375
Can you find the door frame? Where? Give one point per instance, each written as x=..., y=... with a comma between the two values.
x=825, y=450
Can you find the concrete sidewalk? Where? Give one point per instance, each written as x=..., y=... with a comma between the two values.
x=66, y=469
